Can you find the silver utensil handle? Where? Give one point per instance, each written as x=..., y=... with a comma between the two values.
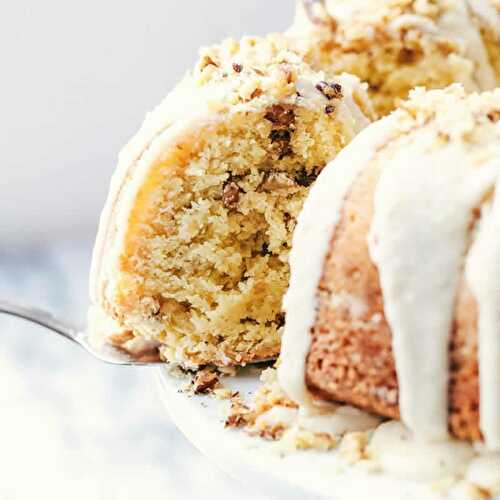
x=42, y=318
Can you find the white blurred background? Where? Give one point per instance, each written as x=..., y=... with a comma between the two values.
x=76, y=79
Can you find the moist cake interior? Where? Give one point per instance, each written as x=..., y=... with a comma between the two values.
x=212, y=258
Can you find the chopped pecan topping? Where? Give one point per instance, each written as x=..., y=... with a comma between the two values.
x=205, y=381
x=329, y=109
x=305, y=178
x=330, y=90
x=240, y=414
x=494, y=116
x=281, y=114
x=208, y=61
x=237, y=67
x=230, y=194
x=256, y=93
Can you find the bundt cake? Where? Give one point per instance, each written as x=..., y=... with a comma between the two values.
x=191, y=257
x=394, y=299
x=397, y=45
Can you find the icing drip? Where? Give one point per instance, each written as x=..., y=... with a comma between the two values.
x=487, y=13
x=482, y=273
x=436, y=171
x=459, y=26
x=315, y=226
x=423, y=206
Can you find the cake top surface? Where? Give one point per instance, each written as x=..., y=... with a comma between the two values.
x=245, y=75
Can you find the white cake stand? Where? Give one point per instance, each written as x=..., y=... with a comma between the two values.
x=257, y=464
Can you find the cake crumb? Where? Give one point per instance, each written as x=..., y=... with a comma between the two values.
x=297, y=438
x=240, y=414
x=205, y=381
x=353, y=447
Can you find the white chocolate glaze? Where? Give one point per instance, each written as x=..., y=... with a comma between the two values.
x=482, y=273
x=423, y=206
x=403, y=456
x=311, y=238
x=484, y=471
x=336, y=421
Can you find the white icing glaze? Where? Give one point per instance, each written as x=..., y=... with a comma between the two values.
x=338, y=422
x=346, y=110
x=419, y=234
x=457, y=23
x=482, y=273
x=402, y=455
x=487, y=13
x=311, y=238
x=484, y=471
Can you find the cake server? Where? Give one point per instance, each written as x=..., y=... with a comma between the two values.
x=107, y=353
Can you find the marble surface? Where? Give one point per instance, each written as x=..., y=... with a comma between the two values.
x=72, y=427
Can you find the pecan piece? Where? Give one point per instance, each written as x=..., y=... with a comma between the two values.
x=282, y=115
x=205, y=381
x=494, y=115
x=305, y=178
x=280, y=138
x=230, y=194
x=330, y=90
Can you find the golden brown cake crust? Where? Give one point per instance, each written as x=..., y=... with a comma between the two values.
x=351, y=357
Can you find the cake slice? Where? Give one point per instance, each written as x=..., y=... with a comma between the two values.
x=394, y=302
x=397, y=45
x=191, y=257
